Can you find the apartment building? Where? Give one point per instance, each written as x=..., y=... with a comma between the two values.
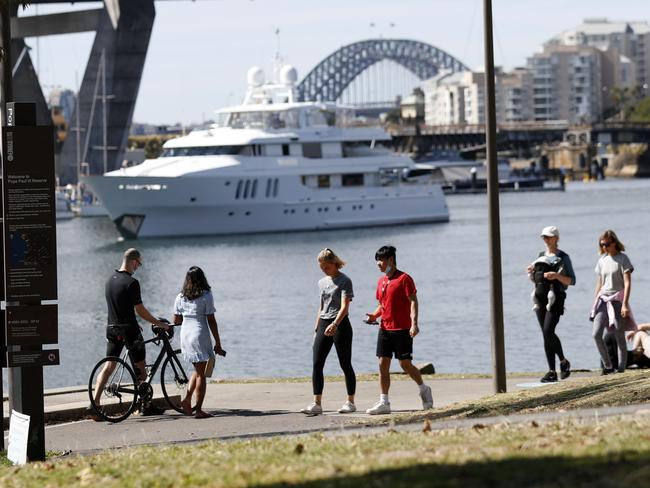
x=455, y=98
x=567, y=83
x=631, y=40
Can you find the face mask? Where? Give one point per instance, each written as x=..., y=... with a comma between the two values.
x=389, y=269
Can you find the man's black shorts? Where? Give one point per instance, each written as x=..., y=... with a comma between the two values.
x=117, y=336
x=397, y=342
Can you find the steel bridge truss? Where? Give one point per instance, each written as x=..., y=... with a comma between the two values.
x=328, y=80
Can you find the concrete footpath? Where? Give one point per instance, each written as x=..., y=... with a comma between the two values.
x=246, y=410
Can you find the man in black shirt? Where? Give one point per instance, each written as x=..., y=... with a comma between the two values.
x=123, y=301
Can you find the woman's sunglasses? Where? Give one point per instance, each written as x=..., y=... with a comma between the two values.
x=606, y=244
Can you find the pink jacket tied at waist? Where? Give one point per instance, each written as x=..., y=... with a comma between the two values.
x=607, y=301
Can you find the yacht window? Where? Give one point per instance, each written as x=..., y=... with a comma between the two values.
x=264, y=120
x=204, y=151
x=268, y=187
x=319, y=118
x=246, y=188
x=275, y=187
x=254, y=189
x=285, y=149
x=355, y=179
x=312, y=150
x=323, y=181
x=238, y=192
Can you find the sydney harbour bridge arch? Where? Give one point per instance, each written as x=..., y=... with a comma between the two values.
x=328, y=80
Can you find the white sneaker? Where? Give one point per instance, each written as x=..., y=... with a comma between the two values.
x=427, y=398
x=348, y=407
x=379, y=408
x=312, y=409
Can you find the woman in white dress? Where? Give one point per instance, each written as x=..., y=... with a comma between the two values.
x=194, y=309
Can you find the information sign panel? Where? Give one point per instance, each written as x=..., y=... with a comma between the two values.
x=32, y=325
x=29, y=214
x=23, y=359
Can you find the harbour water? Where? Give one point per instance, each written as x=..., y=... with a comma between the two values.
x=266, y=294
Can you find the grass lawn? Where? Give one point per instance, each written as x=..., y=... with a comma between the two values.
x=586, y=392
x=609, y=453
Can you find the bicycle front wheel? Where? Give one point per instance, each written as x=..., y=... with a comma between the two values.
x=116, y=399
x=173, y=381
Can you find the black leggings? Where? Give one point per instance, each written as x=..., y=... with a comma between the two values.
x=342, y=340
x=548, y=320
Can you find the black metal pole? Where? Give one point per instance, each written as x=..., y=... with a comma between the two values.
x=6, y=94
x=6, y=85
x=496, y=289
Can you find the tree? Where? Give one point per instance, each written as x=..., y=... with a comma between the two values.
x=641, y=111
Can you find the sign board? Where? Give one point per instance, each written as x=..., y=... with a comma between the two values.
x=23, y=359
x=29, y=214
x=32, y=325
x=18, y=435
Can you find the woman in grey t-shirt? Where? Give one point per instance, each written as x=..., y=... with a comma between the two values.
x=332, y=328
x=611, y=305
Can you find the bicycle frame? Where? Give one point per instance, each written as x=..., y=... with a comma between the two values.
x=165, y=351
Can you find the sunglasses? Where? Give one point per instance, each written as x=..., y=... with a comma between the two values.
x=606, y=244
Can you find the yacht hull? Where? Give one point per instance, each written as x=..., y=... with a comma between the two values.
x=192, y=206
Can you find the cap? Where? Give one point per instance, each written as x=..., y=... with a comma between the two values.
x=550, y=231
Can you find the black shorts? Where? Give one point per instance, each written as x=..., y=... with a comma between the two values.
x=117, y=336
x=397, y=342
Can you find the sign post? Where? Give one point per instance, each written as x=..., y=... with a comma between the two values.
x=29, y=238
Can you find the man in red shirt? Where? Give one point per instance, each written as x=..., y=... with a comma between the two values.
x=398, y=309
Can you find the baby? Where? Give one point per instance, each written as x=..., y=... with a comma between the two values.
x=545, y=289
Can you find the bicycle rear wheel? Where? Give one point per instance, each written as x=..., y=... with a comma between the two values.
x=173, y=381
x=119, y=396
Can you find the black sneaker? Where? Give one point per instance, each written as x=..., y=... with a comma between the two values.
x=550, y=377
x=606, y=371
x=91, y=414
x=565, y=369
x=151, y=410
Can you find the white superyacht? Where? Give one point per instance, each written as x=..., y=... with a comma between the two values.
x=271, y=165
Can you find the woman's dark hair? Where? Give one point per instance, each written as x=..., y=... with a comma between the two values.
x=386, y=252
x=195, y=284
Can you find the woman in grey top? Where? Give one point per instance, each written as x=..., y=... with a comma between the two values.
x=611, y=306
x=332, y=328
x=194, y=309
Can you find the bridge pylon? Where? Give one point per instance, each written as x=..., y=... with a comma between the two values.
x=110, y=83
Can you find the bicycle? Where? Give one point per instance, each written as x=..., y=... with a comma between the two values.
x=122, y=392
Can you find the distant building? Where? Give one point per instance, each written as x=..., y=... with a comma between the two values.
x=63, y=101
x=567, y=83
x=455, y=98
x=630, y=39
x=516, y=94
x=412, y=107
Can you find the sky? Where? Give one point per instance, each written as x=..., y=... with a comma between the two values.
x=200, y=50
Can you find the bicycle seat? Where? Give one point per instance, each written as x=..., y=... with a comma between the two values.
x=158, y=331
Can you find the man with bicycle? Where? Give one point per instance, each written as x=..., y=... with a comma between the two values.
x=123, y=301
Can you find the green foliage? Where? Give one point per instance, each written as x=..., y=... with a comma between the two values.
x=641, y=111
x=153, y=148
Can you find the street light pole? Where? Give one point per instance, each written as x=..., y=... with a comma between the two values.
x=496, y=289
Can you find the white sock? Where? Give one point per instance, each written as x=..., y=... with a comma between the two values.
x=422, y=387
x=383, y=398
